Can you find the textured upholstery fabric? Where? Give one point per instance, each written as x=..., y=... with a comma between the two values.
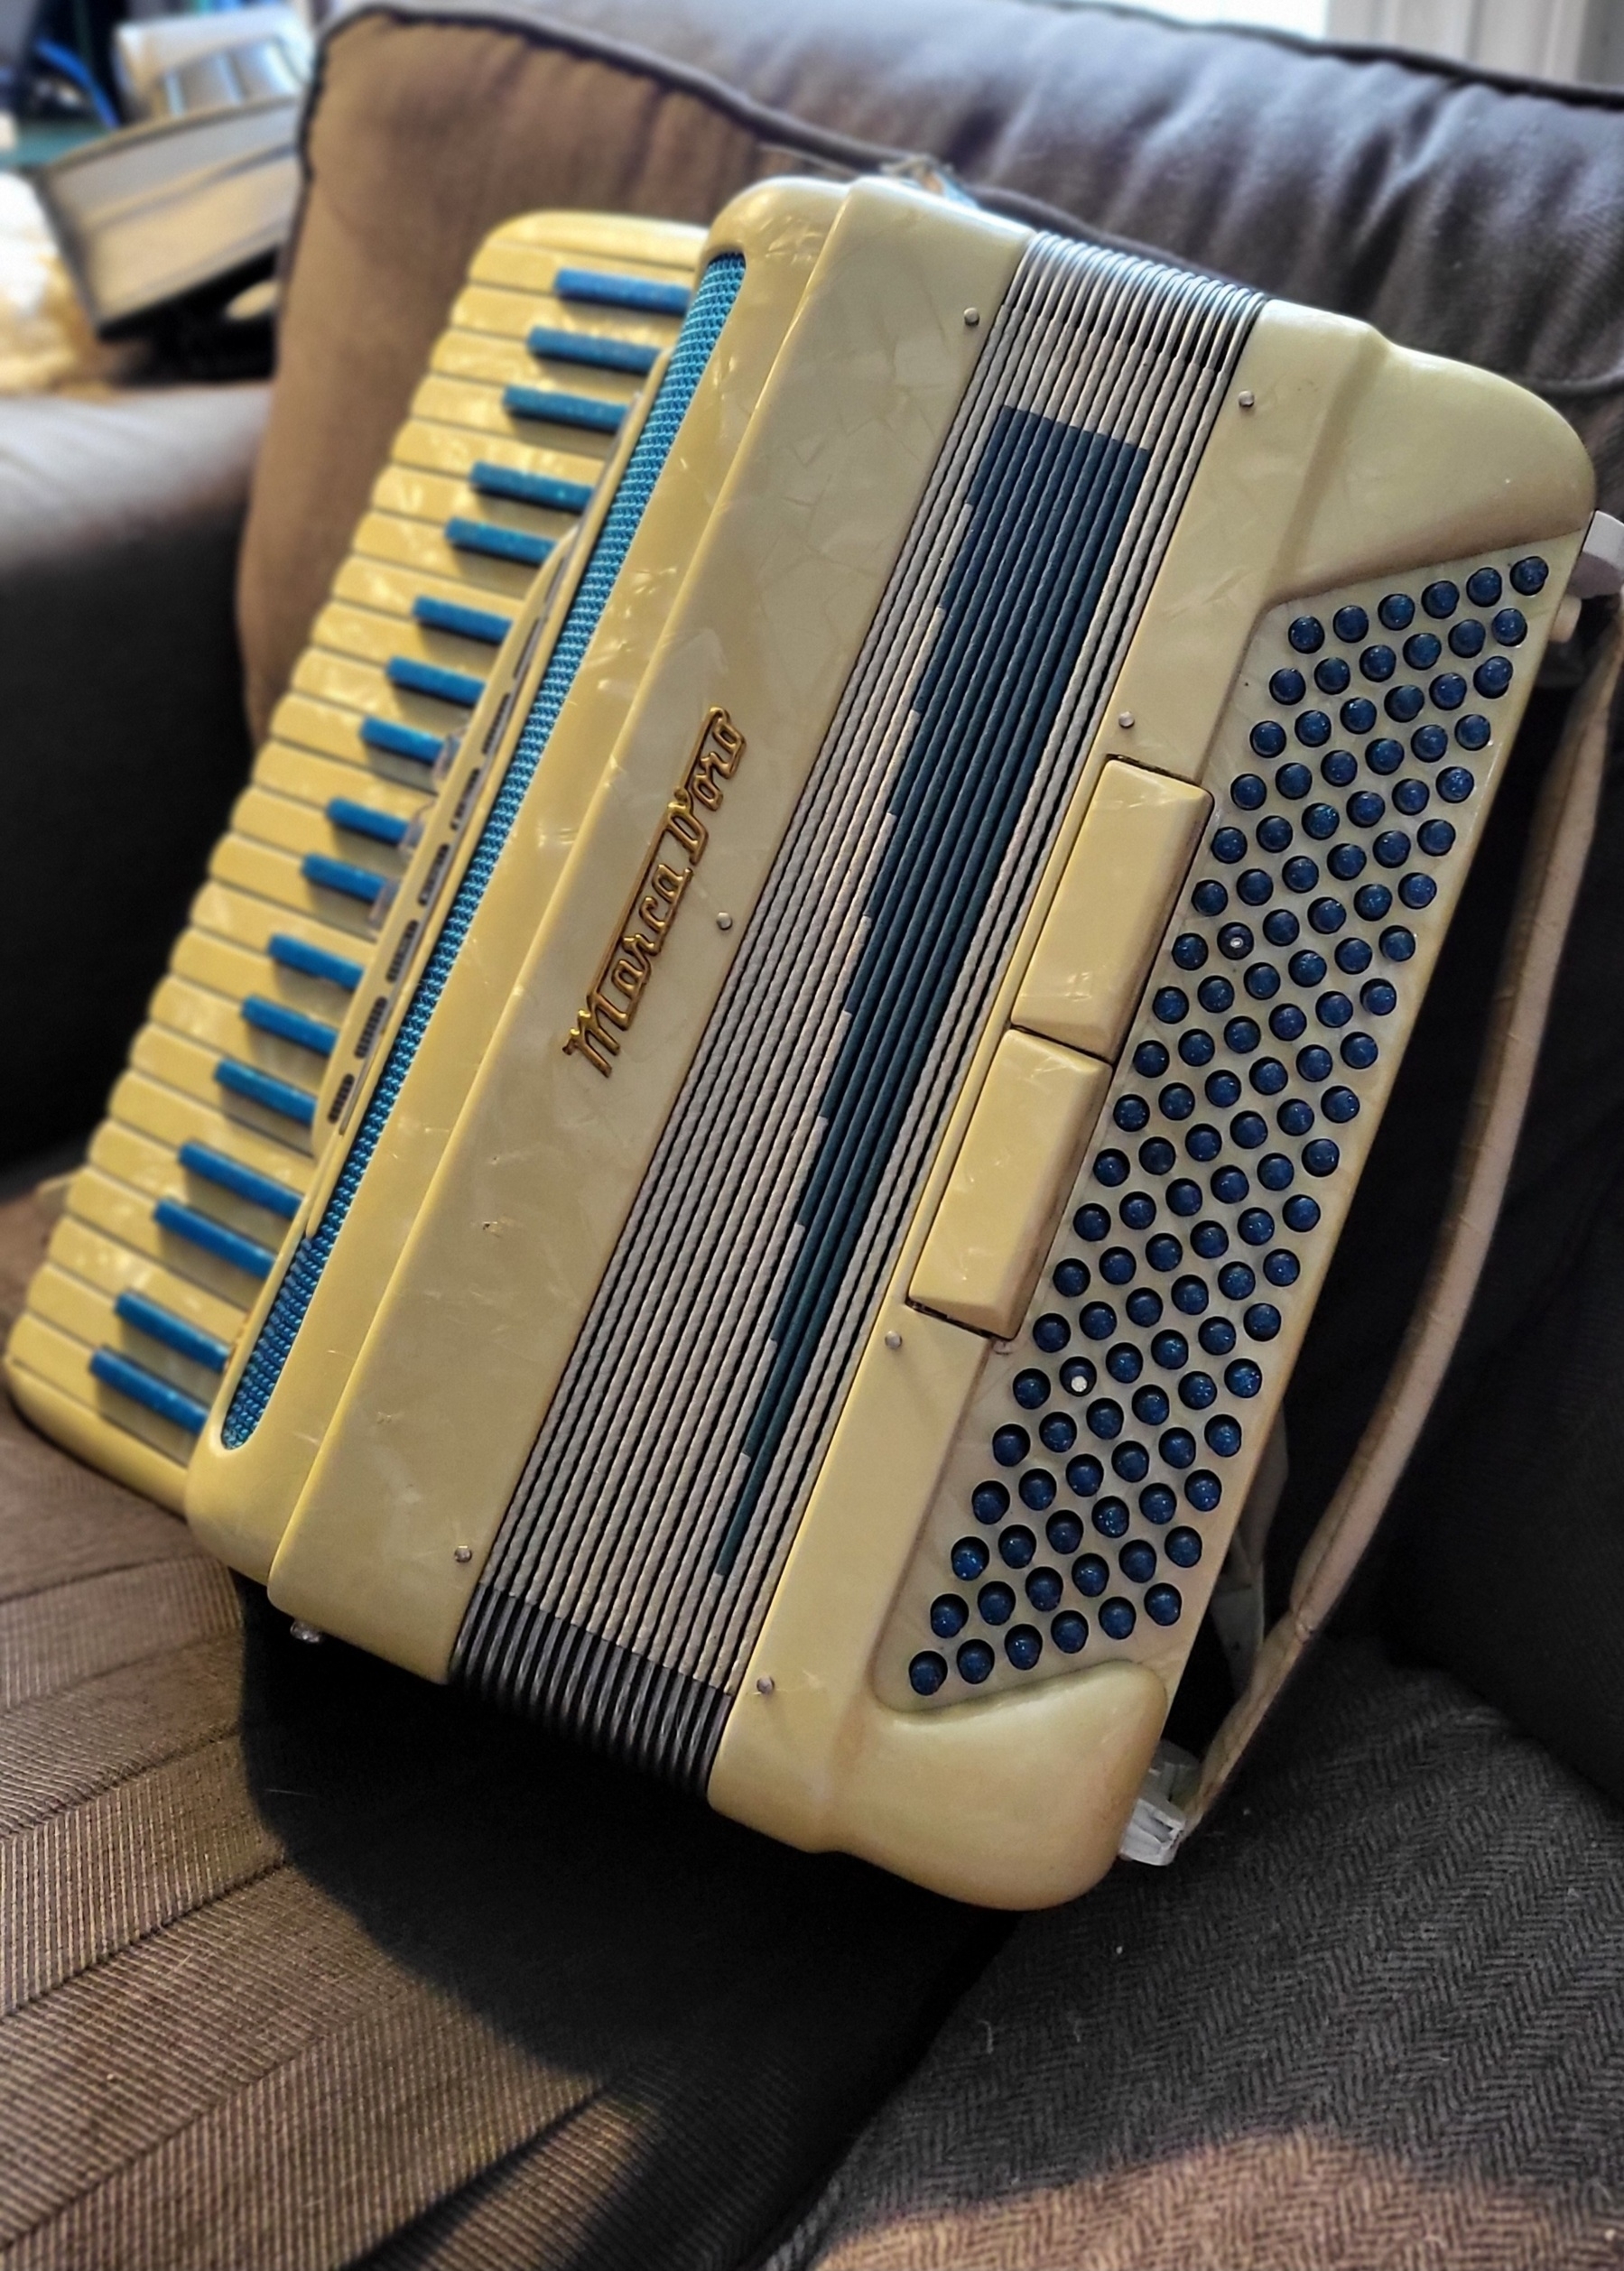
x=301, y=1959
x=1374, y=2017
x=123, y=741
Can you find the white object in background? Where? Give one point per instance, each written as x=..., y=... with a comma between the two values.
x=158, y=211
x=1536, y=39
x=1598, y=571
x=1306, y=16
x=169, y=65
x=44, y=337
x=1156, y=1826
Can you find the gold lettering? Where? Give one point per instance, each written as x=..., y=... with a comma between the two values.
x=687, y=826
x=727, y=738
x=601, y=1004
x=589, y=1039
x=629, y=969
x=658, y=905
x=703, y=787
x=669, y=883
x=629, y=963
x=718, y=753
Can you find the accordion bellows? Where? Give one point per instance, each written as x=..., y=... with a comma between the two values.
x=845, y=1106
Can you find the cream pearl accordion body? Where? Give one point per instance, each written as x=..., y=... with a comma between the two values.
x=749, y=1123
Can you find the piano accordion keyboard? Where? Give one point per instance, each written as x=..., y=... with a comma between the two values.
x=213, y=1134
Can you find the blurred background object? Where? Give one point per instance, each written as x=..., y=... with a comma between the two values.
x=168, y=65
x=166, y=225
x=46, y=340
x=164, y=145
x=1577, y=40
x=169, y=224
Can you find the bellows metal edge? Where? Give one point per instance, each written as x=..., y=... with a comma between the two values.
x=654, y=1515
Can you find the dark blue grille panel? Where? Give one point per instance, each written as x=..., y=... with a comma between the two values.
x=1049, y=505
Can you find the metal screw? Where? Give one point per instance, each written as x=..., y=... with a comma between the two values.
x=463, y=1553
x=973, y=316
x=1248, y=400
x=764, y=1686
x=724, y=922
x=310, y=1635
x=893, y=1340
x=1125, y=719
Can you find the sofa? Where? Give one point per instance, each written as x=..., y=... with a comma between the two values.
x=306, y=1963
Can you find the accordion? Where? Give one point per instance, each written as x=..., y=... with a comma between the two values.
x=749, y=1123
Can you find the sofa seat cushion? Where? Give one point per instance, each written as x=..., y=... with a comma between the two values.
x=1374, y=2016
x=304, y=1960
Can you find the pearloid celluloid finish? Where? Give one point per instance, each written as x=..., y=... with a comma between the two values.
x=222, y=1119
x=806, y=1221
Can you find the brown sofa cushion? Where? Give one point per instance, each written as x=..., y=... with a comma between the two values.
x=301, y=1958
x=1466, y=218
x=1369, y=2020
x=123, y=734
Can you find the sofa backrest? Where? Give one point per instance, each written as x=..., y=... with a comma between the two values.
x=1462, y=215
